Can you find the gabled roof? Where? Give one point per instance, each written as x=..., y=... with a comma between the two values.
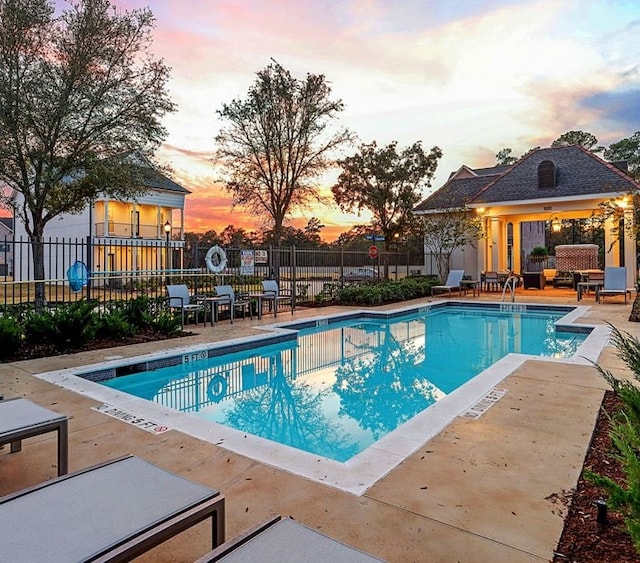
x=151, y=176
x=461, y=187
x=579, y=172
x=7, y=222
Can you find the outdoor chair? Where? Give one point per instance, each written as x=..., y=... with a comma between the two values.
x=20, y=419
x=491, y=281
x=179, y=299
x=275, y=296
x=114, y=511
x=452, y=284
x=279, y=539
x=615, y=283
x=235, y=301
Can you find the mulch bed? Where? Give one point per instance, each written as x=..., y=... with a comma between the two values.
x=34, y=351
x=583, y=540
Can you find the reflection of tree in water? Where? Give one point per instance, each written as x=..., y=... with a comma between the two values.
x=390, y=372
x=289, y=414
x=558, y=344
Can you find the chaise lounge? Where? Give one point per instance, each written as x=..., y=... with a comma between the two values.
x=114, y=511
x=452, y=284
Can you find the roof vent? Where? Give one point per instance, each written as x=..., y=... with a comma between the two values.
x=546, y=174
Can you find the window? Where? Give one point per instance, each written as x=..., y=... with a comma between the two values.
x=546, y=175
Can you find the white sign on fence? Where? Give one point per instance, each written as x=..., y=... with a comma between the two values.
x=247, y=263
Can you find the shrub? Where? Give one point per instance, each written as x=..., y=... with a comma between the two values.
x=75, y=324
x=378, y=292
x=625, y=436
x=40, y=328
x=167, y=323
x=10, y=336
x=136, y=312
x=115, y=324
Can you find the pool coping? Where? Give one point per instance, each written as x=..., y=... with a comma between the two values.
x=359, y=473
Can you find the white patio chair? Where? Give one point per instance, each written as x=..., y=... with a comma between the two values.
x=452, y=284
x=615, y=283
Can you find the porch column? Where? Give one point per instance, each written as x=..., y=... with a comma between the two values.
x=494, y=244
x=516, y=248
x=630, y=259
x=611, y=244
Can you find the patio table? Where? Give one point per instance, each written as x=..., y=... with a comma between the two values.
x=20, y=419
x=110, y=512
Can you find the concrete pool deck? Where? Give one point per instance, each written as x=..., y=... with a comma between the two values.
x=490, y=489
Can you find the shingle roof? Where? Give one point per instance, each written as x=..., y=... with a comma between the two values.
x=579, y=172
x=154, y=179
x=7, y=222
x=455, y=193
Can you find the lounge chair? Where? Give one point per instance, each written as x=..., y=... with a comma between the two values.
x=283, y=539
x=453, y=282
x=114, y=511
x=233, y=300
x=615, y=283
x=179, y=299
x=20, y=419
x=275, y=296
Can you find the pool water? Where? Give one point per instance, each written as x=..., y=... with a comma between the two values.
x=335, y=390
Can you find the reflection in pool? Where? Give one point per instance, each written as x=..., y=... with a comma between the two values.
x=334, y=390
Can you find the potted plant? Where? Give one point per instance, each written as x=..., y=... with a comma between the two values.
x=538, y=254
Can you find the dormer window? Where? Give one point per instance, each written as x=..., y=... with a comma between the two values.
x=546, y=174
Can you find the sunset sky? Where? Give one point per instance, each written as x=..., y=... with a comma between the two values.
x=470, y=76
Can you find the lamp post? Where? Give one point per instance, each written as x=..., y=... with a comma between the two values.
x=167, y=230
x=396, y=238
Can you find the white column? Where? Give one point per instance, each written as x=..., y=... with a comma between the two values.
x=630, y=259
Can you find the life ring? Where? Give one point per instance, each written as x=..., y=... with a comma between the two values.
x=216, y=259
x=217, y=388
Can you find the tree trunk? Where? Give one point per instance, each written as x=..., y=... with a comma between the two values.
x=37, y=247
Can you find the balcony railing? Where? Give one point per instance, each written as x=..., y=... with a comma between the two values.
x=127, y=230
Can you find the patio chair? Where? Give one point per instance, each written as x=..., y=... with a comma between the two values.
x=615, y=283
x=491, y=281
x=235, y=301
x=279, y=539
x=452, y=284
x=179, y=298
x=275, y=296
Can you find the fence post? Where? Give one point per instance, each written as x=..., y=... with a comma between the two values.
x=294, y=294
x=89, y=266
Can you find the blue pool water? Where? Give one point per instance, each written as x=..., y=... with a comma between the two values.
x=336, y=389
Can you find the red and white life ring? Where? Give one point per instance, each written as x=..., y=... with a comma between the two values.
x=216, y=259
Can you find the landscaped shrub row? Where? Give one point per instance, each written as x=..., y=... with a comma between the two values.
x=625, y=436
x=72, y=326
x=378, y=292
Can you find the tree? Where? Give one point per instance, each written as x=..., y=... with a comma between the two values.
x=627, y=149
x=387, y=183
x=504, y=157
x=76, y=91
x=277, y=143
x=447, y=231
x=582, y=138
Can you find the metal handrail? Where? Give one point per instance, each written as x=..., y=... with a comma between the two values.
x=512, y=282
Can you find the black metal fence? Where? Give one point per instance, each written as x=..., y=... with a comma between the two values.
x=122, y=270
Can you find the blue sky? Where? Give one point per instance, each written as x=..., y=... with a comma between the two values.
x=469, y=76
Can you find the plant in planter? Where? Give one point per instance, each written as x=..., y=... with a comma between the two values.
x=538, y=254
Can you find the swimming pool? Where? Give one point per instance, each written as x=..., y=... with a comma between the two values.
x=335, y=389
x=400, y=339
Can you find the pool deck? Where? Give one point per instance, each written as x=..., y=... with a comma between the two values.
x=489, y=489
